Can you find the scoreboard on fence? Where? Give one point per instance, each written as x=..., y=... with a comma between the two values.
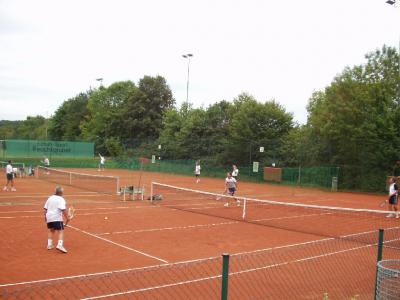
x=273, y=174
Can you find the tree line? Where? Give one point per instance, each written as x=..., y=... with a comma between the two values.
x=354, y=123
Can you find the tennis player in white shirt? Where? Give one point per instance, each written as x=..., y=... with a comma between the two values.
x=10, y=177
x=54, y=214
x=197, y=171
x=230, y=188
x=102, y=162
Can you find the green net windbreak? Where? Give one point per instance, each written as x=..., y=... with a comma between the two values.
x=95, y=183
x=314, y=176
x=39, y=148
x=311, y=176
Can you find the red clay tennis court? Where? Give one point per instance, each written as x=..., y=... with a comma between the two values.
x=172, y=248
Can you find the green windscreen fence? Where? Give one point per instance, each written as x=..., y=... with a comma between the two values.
x=312, y=176
x=37, y=148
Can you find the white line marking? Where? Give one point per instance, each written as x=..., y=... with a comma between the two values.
x=232, y=273
x=117, y=244
x=153, y=287
x=169, y=228
x=185, y=262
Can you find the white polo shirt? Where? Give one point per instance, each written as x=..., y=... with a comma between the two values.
x=197, y=170
x=9, y=169
x=235, y=172
x=54, y=205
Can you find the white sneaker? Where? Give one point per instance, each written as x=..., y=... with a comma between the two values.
x=5, y=188
x=13, y=189
x=226, y=204
x=238, y=203
x=49, y=247
x=397, y=216
x=390, y=216
x=62, y=249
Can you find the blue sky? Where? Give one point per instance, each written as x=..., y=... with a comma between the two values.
x=283, y=50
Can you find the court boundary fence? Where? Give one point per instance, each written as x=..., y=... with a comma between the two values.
x=224, y=277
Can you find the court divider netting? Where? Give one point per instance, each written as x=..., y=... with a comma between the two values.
x=337, y=260
x=323, y=221
x=95, y=183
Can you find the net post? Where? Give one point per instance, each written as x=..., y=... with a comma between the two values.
x=118, y=186
x=244, y=209
x=225, y=274
x=379, y=258
x=151, y=192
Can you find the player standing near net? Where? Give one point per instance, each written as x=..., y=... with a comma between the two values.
x=393, y=193
x=230, y=188
x=101, y=163
x=235, y=172
x=9, y=177
x=46, y=164
x=54, y=214
x=197, y=171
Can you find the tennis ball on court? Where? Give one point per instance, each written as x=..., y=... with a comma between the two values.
x=105, y=218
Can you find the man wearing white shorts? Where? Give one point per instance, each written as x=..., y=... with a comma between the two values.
x=54, y=214
x=10, y=177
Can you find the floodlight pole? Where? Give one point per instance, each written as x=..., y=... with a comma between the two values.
x=187, y=56
x=100, y=80
x=393, y=2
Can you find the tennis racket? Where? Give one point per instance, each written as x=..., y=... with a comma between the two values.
x=71, y=214
x=383, y=203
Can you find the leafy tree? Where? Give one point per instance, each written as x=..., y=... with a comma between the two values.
x=33, y=128
x=256, y=124
x=356, y=120
x=105, y=107
x=8, y=129
x=65, y=124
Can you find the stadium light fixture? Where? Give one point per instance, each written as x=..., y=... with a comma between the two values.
x=100, y=80
x=187, y=56
x=393, y=2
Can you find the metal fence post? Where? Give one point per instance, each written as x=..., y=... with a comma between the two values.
x=225, y=274
x=379, y=258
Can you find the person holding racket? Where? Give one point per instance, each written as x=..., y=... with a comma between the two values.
x=230, y=188
x=102, y=162
x=10, y=177
x=54, y=214
x=393, y=191
x=235, y=172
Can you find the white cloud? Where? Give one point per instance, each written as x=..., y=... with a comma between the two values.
x=283, y=50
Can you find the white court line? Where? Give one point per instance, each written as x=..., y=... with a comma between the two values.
x=309, y=258
x=117, y=244
x=169, y=228
x=184, y=262
x=154, y=287
x=289, y=217
x=48, y=194
x=78, y=209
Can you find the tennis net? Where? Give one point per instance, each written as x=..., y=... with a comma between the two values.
x=96, y=183
x=18, y=165
x=326, y=221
